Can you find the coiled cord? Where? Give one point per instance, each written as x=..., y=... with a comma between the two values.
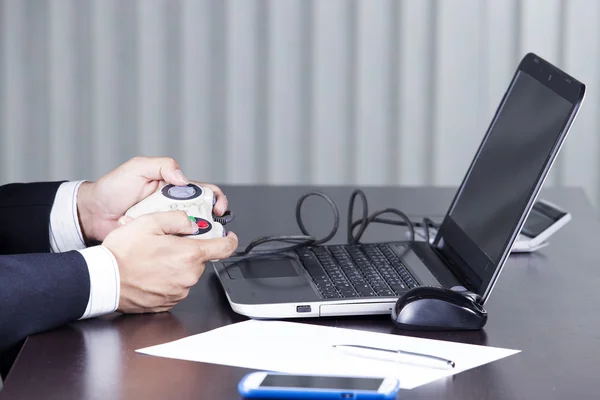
x=306, y=239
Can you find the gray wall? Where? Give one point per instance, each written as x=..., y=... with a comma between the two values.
x=324, y=92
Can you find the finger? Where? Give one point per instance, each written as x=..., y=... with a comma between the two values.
x=124, y=220
x=216, y=249
x=221, y=203
x=159, y=168
x=161, y=309
x=169, y=223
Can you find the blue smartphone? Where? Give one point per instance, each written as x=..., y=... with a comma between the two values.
x=270, y=385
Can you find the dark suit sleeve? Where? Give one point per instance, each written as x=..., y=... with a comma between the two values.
x=25, y=217
x=39, y=290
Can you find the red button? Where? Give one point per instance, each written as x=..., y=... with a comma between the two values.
x=202, y=224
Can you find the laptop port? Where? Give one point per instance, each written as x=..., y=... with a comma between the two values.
x=302, y=309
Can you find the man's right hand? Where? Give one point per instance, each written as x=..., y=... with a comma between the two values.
x=157, y=269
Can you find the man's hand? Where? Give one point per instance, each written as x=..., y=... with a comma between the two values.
x=157, y=268
x=100, y=204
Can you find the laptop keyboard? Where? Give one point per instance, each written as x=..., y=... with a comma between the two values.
x=366, y=270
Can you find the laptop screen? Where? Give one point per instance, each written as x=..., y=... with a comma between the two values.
x=504, y=176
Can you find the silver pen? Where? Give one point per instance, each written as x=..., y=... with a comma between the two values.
x=443, y=361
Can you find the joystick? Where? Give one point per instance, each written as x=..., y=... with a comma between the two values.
x=195, y=200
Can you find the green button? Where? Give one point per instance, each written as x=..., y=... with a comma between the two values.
x=192, y=218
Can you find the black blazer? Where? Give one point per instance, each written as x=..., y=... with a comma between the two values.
x=39, y=290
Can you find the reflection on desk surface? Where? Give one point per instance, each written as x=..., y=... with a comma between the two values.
x=109, y=362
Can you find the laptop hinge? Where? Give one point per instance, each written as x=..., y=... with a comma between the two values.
x=453, y=267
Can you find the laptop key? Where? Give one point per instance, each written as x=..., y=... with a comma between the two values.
x=324, y=285
x=379, y=287
x=321, y=281
x=348, y=292
x=313, y=267
x=398, y=288
x=337, y=277
x=369, y=293
x=364, y=290
x=341, y=283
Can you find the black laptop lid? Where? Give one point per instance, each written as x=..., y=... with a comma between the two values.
x=508, y=170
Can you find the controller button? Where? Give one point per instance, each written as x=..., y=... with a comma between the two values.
x=202, y=224
x=192, y=219
x=182, y=192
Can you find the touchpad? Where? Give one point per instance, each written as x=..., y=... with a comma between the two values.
x=262, y=268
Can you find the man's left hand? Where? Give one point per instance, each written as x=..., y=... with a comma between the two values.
x=101, y=204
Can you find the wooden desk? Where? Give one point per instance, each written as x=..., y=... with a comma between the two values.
x=544, y=304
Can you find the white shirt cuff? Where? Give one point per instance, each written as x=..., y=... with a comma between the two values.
x=65, y=232
x=65, y=235
x=104, y=281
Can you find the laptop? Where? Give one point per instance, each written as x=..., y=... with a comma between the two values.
x=473, y=241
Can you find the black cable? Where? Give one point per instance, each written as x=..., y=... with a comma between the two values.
x=306, y=239
x=365, y=220
x=300, y=240
x=426, y=224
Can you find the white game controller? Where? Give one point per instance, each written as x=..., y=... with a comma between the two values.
x=195, y=200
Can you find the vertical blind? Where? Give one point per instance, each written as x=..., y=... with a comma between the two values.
x=281, y=92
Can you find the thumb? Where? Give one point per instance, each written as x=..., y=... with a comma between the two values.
x=218, y=248
x=159, y=169
x=171, y=223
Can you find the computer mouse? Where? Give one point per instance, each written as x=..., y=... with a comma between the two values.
x=436, y=309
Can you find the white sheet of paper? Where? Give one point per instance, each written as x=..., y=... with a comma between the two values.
x=300, y=348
